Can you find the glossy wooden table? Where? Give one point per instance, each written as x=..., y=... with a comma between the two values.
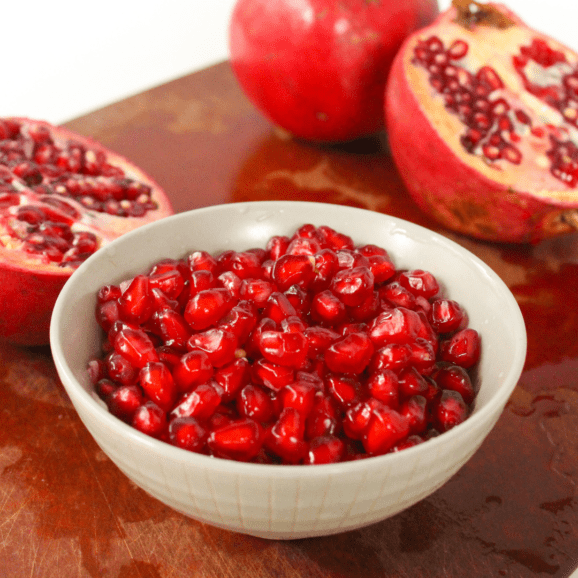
x=66, y=510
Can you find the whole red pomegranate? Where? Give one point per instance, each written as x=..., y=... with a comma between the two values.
x=62, y=196
x=317, y=68
x=482, y=118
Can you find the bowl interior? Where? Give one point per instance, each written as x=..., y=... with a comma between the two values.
x=492, y=310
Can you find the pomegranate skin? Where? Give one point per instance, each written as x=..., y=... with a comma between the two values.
x=317, y=68
x=29, y=284
x=26, y=318
x=454, y=187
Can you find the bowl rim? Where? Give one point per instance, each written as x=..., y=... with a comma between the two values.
x=79, y=394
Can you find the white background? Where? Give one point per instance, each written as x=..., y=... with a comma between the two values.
x=64, y=58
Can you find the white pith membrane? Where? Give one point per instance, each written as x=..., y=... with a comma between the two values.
x=531, y=169
x=15, y=194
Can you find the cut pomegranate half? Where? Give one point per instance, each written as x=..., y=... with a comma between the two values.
x=482, y=120
x=62, y=196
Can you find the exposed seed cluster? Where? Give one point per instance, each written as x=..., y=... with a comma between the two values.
x=493, y=128
x=38, y=178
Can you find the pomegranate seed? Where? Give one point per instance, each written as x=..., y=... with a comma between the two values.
x=288, y=349
x=293, y=269
x=319, y=339
x=108, y=293
x=272, y=375
x=463, y=348
x=386, y=428
x=187, y=433
x=333, y=239
x=171, y=283
x=135, y=304
x=158, y=384
x=193, y=368
x=326, y=449
x=232, y=377
x=220, y=345
x=254, y=402
x=411, y=382
x=409, y=442
x=240, y=440
x=458, y=49
x=398, y=325
x=150, y=419
x=457, y=379
x=384, y=386
x=200, y=403
x=350, y=355
x=171, y=327
x=201, y=280
x=397, y=296
x=445, y=315
x=202, y=261
x=161, y=301
x=169, y=356
x=252, y=343
x=367, y=309
x=324, y=418
x=256, y=290
x=120, y=369
x=104, y=387
x=394, y=356
x=358, y=416
x=207, y=307
x=107, y=314
x=303, y=246
x=420, y=283
x=135, y=345
x=352, y=286
x=328, y=309
x=344, y=389
x=278, y=307
x=277, y=246
x=422, y=356
x=246, y=265
x=124, y=401
x=240, y=321
x=449, y=411
x=299, y=396
x=286, y=437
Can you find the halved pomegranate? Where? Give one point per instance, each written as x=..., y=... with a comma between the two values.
x=62, y=196
x=482, y=119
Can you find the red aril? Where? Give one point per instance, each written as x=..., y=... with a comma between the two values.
x=386, y=428
x=239, y=440
x=505, y=123
x=326, y=449
x=158, y=384
x=200, y=403
x=317, y=68
x=62, y=196
x=150, y=419
x=187, y=433
x=350, y=354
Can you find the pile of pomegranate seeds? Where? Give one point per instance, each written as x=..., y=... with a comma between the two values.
x=309, y=351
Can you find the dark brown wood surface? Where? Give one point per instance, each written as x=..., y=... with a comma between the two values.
x=66, y=510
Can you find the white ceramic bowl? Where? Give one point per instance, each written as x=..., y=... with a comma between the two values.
x=274, y=501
